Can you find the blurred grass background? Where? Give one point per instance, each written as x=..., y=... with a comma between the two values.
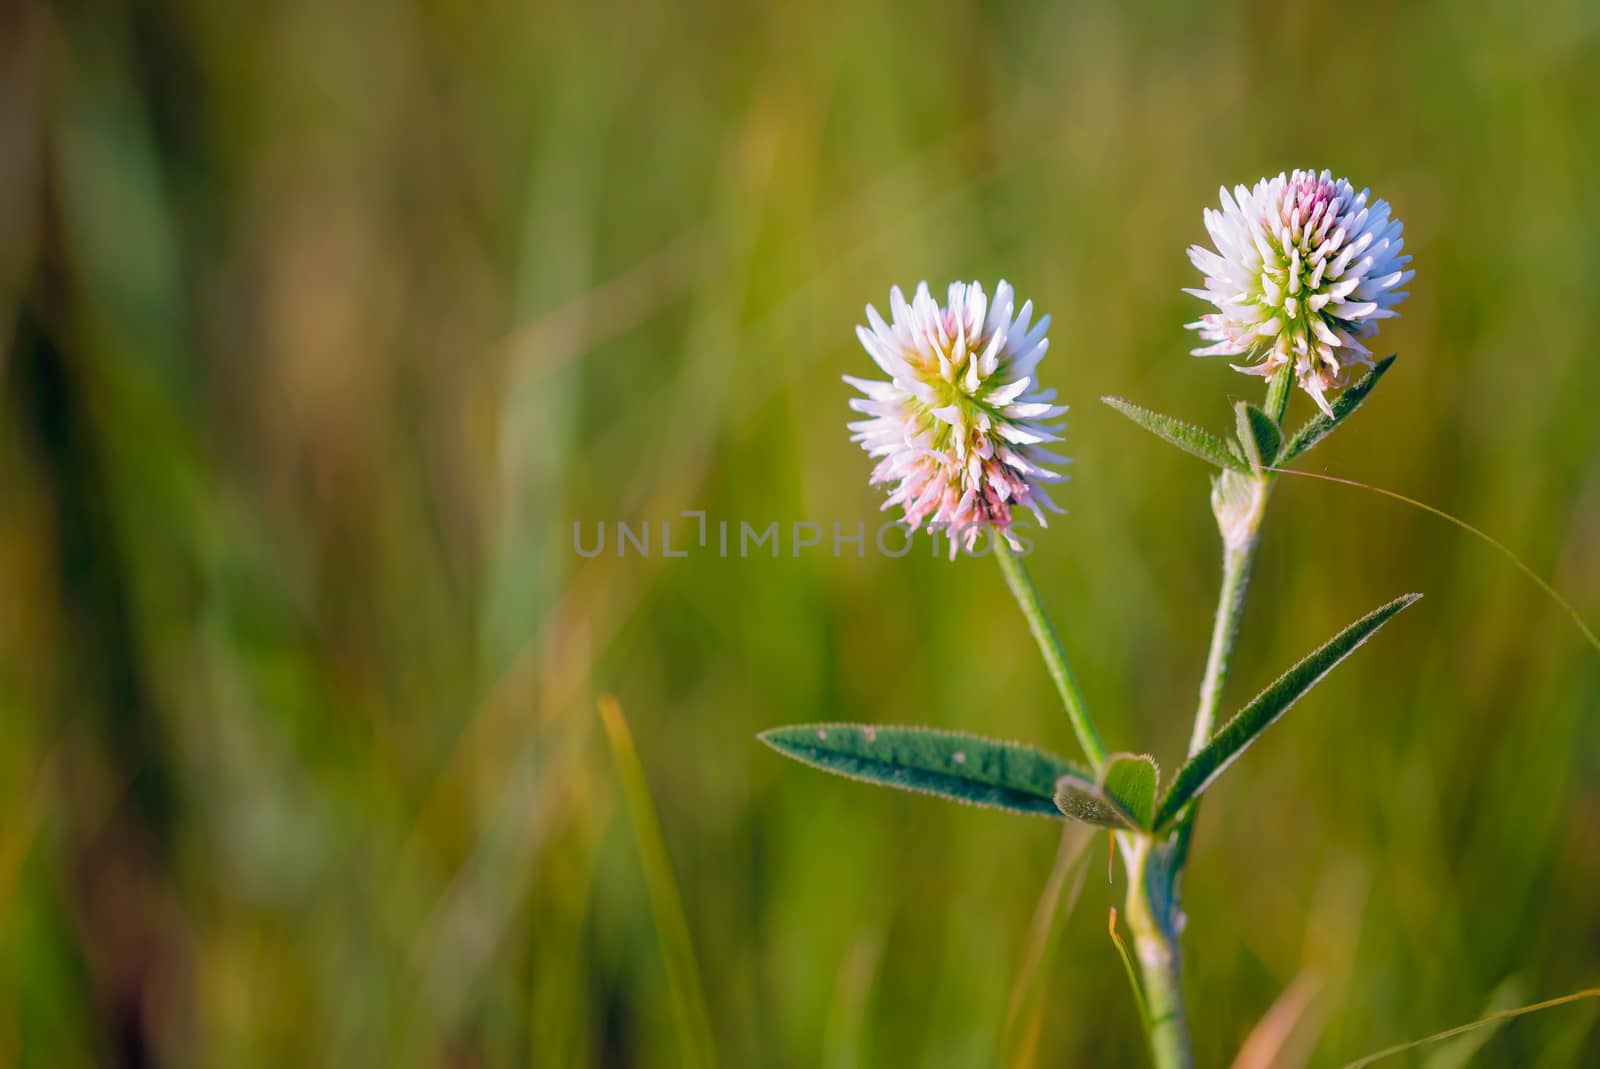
x=325, y=322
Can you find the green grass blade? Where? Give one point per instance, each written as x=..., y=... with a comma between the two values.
x=1186, y=436
x=1237, y=734
x=1494, y=543
x=954, y=765
x=1319, y=426
x=697, y=1046
x=1459, y=1051
x=1493, y=1018
x=847, y=1026
x=1026, y=1006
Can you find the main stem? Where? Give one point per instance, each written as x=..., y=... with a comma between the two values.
x=1155, y=872
x=1163, y=992
x=1153, y=917
x=1055, y=658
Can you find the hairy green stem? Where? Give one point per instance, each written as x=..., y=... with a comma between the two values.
x=1238, y=556
x=1236, y=564
x=1241, y=529
x=1153, y=917
x=1055, y=658
x=1168, y=1028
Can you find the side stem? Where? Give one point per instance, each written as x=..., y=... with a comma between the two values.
x=1236, y=563
x=1239, y=506
x=1055, y=658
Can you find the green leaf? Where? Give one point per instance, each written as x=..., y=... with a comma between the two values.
x=1130, y=780
x=1125, y=796
x=954, y=765
x=1083, y=800
x=1258, y=434
x=1186, y=436
x=1319, y=426
x=1237, y=734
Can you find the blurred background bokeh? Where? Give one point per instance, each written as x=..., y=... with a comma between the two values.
x=323, y=324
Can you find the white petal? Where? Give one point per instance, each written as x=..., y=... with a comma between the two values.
x=1004, y=395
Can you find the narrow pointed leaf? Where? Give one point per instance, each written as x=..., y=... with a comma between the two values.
x=1319, y=426
x=1186, y=436
x=1237, y=734
x=1258, y=434
x=1125, y=796
x=954, y=765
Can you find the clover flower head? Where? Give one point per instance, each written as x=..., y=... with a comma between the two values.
x=957, y=428
x=1303, y=270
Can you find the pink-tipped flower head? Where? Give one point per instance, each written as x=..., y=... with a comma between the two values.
x=1303, y=270
x=957, y=428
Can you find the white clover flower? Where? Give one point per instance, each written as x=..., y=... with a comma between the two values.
x=1303, y=270
x=957, y=426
